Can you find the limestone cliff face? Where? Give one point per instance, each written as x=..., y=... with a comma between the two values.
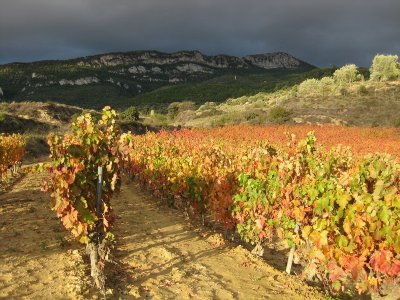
x=137, y=60
x=273, y=60
x=79, y=81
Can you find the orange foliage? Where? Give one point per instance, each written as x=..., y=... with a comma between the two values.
x=362, y=140
x=12, y=150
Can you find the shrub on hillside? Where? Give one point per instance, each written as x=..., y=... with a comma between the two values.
x=362, y=90
x=279, y=114
x=327, y=85
x=130, y=114
x=177, y=107
x=343, y=91
x=209, y=112
x=207, y=106
x=385, y=67
x=310, y=87
x=346, y=75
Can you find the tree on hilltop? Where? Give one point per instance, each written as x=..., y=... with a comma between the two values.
x=327, y=85
x=385, y=67
x=310, y=87
x=346, y=75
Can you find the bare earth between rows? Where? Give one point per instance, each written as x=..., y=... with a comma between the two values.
x=159, y=255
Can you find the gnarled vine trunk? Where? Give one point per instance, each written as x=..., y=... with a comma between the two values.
x=96, y=263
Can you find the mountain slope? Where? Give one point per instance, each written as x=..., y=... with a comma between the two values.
x=365, y=103
x=117, y=77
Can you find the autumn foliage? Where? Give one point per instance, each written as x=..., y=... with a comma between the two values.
x=12, y=150
x=346, y=204
x=255, y=180
x=76, y=157
x=347, y=210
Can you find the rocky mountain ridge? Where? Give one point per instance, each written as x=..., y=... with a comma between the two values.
x=123, y=75
x=265, y=61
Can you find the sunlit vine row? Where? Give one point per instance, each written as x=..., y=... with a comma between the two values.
x=347, y=207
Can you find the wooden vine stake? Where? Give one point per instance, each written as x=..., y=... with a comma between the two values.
x=94, y=244
x=291, y=253
x=99, y=188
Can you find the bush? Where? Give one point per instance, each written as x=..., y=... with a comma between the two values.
x=210, y=112
x=207, y=105
x=279, y=114
x=173, y=110
x=156, y=119
x=362, y=90
x=130, y=114
x=346, y=75
x=310, y=87
x=177, y=107
x=327, y=85
x=385, y=67
x=250, y=115
x=343, y=91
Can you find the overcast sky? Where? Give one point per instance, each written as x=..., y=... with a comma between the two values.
x=320, y=32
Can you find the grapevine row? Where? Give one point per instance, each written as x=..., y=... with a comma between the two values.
x=347, y=207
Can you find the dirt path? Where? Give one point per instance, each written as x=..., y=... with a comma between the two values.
x=37, y=259
x=161, y=255
x=168, y=259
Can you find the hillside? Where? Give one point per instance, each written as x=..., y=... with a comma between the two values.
x=36, y=120
x=365, y=103
x=121, y=79
x=221, y=88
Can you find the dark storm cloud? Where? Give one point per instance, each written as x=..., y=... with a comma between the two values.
x=320, y=32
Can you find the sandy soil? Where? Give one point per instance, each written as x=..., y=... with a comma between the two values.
x=37, y=259
x=160, y=255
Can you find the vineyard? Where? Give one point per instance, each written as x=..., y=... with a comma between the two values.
x=336, y=205
x=346, y=205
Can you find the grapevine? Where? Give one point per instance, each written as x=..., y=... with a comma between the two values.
x=76, y=157
x=12, y=150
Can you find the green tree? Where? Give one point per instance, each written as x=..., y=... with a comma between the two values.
x=177, y=107
x=173, y=109
x=130, y=114
x=362, y=90
x=310, y=87
x=327, y=85
x=385, y=67
x=279, y=115
x=346, y=75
